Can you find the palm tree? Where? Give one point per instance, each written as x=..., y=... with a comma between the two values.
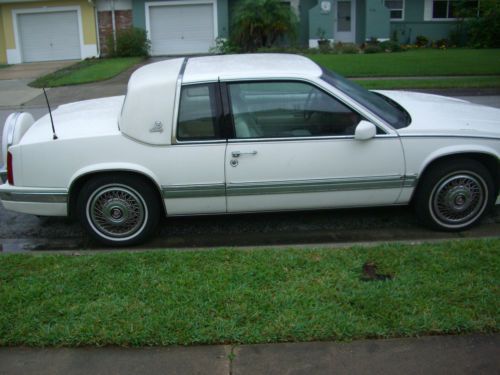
x=261, y=23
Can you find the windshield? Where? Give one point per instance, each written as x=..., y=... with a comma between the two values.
x=385, y=108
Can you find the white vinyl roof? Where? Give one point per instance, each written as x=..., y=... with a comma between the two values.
x=250, y=66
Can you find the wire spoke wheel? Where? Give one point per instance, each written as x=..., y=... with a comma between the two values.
x=117, y=211
x=458, y=199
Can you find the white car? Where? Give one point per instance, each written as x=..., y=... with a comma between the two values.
x=250, y=133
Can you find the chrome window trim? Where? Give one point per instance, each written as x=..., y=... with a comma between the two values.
x=333, y=91
x=301, y=139
x=318, y=83
x=177, y=100
x=174, y=139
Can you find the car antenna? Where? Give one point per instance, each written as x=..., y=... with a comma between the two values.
x=54, y=136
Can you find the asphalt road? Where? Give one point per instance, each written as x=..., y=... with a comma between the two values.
x=20, y=232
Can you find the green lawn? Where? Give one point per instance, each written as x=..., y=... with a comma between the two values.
x=230, y=296
x=462, y=82
x=423, y=62
x=87, y=71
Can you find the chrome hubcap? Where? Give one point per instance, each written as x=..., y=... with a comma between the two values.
x=458, y=199
x=117, y=211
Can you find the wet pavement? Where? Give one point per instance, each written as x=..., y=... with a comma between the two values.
x=28, y=233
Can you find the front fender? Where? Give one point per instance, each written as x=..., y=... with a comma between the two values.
x=456, y=150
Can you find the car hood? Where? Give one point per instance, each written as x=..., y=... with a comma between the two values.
x=89, y=118
x=441, y=115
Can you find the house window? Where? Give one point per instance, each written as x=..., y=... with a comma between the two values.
x=449, y=9
x=396, y=8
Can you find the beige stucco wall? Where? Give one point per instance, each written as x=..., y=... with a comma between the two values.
x=3, y=54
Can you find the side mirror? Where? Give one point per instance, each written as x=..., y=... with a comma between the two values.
x=365, y=130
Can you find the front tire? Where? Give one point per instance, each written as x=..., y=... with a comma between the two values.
x=118, y=210
x=454, y=195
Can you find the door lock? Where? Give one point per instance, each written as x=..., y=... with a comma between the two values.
x=234, y=163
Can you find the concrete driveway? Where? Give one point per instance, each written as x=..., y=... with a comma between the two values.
x=32, y=70
x=15, y=78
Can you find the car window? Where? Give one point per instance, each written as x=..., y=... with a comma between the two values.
x=198, y=113
x=384, y=107
x=288, y=109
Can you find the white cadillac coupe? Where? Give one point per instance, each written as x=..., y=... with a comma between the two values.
x=250, y=133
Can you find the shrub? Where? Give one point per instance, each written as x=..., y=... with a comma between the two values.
x=294, y=50
x=223, y=46
x=324, y=46
x=262, y=23
x=421, y=41
x=129, y=43
x=349, y=48
x=484, y=31
x=391, y=46
x=373, y=49
x=441, y=43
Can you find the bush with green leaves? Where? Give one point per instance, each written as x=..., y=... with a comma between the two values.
x=129, y=43
x=372, y=48
x=347, y=48
x=484, y=29
x=421, y=41
x=262, y=23
x=390, y=46
x=223, y=46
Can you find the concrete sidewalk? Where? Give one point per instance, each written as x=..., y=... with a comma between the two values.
x=473, y=354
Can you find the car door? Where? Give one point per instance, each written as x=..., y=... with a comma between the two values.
x=195, y=168
x=293, y=147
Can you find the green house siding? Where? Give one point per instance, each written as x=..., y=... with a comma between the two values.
x=434, y=30
x=319, y=21
x=139, y=15
x=414, y=24
x=377, y=20
x=360, y=21
x=304, y=30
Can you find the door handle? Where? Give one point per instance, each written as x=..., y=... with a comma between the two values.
x=237, y=154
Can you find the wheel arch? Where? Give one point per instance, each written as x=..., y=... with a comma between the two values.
x=82, y=177
x=489, y=160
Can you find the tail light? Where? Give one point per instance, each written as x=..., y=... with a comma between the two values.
x=10, y=171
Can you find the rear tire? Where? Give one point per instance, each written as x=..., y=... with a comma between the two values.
x=454, y=194
x=118, y=210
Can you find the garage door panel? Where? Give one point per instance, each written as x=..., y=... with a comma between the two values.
x=179, y=29
x=49, y=36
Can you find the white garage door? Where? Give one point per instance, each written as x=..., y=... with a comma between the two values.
x=181, y=29
x=49, y=36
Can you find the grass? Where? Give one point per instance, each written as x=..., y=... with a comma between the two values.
x=423, y=62
x=3, y=66
x=228, y=296
x=87, y=71
x=446, y=83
